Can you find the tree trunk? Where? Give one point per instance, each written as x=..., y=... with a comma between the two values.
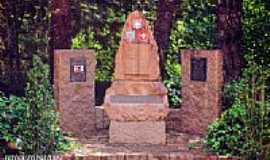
x=162, y=28
x=11, y=43
x=60, y=28
x=229, y=36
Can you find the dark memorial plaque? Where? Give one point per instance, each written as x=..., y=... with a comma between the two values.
x=136, y=99
x=77, y=70
x=198, y=69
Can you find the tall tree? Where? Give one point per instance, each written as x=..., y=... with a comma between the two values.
x=13, y=13
x=12, y=34
x=229, y=36
x=60, y=28
x=166, y=14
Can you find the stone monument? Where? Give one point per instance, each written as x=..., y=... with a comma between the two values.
x=74, y=74
x=202, y=84
x=136, y=103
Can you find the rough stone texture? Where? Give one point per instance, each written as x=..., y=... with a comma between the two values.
x=201, y=100
x=129, y=112
x=145, y=132
x=137, y=74
x=138, y=87
x=173, y=120
x=99, y=117
x=75, y=100
x=132, y=111
x=137, y=61
x=102, y=120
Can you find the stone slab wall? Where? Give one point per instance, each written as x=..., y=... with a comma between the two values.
x=173, y=120
x=202, y=100
x=102, y=119
x=75, y=100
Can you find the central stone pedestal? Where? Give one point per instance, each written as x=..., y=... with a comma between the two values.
x=137, y=111
x=136, y=103
x=144, y=132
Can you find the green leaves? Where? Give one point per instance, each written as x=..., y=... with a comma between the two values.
x=224, y=135
x=243, y=129
x=31, y=122
x=173, y=83
x=256, y=24
x=197, y=28
x=11, y=111
x=42, y=119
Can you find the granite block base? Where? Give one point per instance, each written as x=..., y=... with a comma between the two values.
x=144, y=132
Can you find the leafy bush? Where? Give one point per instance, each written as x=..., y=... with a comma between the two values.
x=12, y=114
x=31, y=122
x=225, y=135
x=173, y=83
x=244, y=129
x=196, y=28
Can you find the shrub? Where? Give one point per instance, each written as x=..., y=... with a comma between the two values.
x=244, y=129
x=173, y=83
x=12, y=111
x=225, y=135
x=31, y=122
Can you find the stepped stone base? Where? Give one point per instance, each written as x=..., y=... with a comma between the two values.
x=177, y=147
x=137, y=111
x=144, y=132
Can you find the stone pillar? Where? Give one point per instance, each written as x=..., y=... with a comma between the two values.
x=136, y=103
x=74, y=90
x=202, y=85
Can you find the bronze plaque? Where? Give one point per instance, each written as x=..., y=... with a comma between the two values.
x=136, y=99
x=198, y=69
x=77, y=70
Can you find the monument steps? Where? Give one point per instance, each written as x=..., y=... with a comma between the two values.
x=179, y=146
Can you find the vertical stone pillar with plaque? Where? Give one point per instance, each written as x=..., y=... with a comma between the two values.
x=202, y=84
x=136, y=103
x=74, y=90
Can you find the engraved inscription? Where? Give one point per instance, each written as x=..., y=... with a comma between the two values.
x=138, y=59
x=198, y=69
x=136, y=99
x=131, y=64
x=77, y=70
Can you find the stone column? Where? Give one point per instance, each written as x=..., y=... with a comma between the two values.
x=74, y=90
x=202, y=84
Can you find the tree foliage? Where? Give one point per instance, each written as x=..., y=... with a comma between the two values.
x=244, y=129
x=31, y=122
x=256, y=24
x=24, y=28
